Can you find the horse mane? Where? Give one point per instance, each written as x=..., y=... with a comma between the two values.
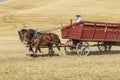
x=23, y=30
x=31, y=32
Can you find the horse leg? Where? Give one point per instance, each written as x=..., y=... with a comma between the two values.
x=36, y=49
x=31, y=50
x=40, y=50
x=58, y=47
x=35, y=54
x=51, y=52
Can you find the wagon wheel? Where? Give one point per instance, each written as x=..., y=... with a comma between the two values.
x=82, y=49
x=104, y=47
x=69, y=49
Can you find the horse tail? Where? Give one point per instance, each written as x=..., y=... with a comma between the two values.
x=55, y=40
x=58, y=42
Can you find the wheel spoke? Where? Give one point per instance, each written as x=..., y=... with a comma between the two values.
x=104, y=46
x=82, y=49
x=70, y=49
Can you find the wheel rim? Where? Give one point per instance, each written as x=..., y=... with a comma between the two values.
x=82, y=49
x=70, y=49
x=103, y=47
x=109, y=47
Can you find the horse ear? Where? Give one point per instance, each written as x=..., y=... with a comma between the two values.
x=18, y=32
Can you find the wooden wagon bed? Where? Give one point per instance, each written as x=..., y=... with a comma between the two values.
x=92, y=31
x=106, y=34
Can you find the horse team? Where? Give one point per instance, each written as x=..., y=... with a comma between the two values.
x=34, y=39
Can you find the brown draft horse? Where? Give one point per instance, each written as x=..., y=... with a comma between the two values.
x=37, y=39
x=22, y=33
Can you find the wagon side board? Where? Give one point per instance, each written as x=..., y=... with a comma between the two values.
x=92, y=31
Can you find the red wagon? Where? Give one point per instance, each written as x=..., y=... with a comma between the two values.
x=79, y=34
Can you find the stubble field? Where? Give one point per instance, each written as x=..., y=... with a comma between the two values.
x=45, y=15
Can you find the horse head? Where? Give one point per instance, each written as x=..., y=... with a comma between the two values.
x=26, y=35
x=21, y=34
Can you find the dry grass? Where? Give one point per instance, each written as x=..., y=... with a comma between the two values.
x=48, y=14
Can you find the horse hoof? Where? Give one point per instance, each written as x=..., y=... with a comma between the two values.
x=32, y=54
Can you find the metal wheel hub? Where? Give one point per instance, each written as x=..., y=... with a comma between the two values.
x=82, y=49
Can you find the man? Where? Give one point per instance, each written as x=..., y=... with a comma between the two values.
x=79, y=19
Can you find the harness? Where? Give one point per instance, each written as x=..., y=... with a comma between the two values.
x=34, y=36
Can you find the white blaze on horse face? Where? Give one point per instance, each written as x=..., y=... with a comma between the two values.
x=25, y=40
x=22, y=38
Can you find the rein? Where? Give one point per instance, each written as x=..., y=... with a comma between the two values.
x=51, y=29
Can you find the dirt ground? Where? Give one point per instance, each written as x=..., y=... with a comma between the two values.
x=44, y=15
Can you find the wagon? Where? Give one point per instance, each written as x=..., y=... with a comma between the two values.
x=79, y=34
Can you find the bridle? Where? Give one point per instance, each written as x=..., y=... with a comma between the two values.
x=29, y=38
